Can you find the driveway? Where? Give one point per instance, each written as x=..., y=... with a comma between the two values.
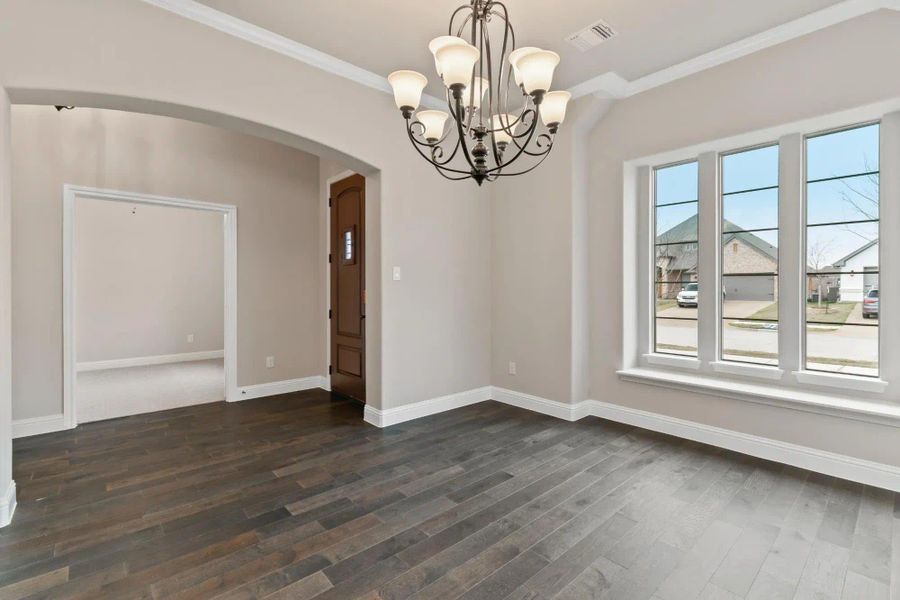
x=855, y=317
x=735, y=309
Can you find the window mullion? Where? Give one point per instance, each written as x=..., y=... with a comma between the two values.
x=645, y=222
x=889, y=244
x=792, y=252
x=708, y=268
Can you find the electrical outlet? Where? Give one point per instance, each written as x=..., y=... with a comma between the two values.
x=270, y=362
x=190, y=338
x=512, y=368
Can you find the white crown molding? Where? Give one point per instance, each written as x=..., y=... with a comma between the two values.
x=607, y=85
x=141, y=361
x=8, y=504
x=611, y=85
x=206, y=15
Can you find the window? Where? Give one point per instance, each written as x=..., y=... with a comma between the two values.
x=842, y=257
x=749, y=261
x=675, y=200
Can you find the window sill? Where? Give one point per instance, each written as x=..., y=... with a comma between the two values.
x=844, y=382
x=771, y=394
x=747, y=370
x=671, y=360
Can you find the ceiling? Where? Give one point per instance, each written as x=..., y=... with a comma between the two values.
x=652, y=34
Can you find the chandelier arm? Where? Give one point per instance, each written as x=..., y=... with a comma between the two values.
x=459, y=127
x=445, y=176
x=531, y=131
x=529, y=124
x=508, y=32
x=462, y=25
x=487, y=44
x=540, y=145
x=453, y=18
x=426, y=142
x=437, y=160
x=425, y=156
x=528, y=170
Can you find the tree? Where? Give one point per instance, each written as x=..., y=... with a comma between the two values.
x=817, y=259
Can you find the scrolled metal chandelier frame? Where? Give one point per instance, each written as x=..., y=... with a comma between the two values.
x=488, y=138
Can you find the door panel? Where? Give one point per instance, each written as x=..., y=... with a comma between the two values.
x=348, y=285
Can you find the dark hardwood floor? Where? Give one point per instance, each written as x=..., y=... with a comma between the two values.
x=295, y=497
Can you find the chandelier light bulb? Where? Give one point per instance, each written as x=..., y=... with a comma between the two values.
x=456, y=63
x=536, y=70
x=553, y=108
x=441, y=41
x=433, y=121
x=502, y=126
x=408, y=86
x=514, y=57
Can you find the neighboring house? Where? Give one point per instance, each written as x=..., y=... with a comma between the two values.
x=859, y=272
x=676, y=262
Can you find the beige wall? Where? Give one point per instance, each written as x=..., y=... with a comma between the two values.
x=6, y=483
x=274, y=187
x=146, y=278
x=429, y=334
x=769, y=88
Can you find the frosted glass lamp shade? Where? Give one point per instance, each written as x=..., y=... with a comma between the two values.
x=553, y=108
x=433, y=121
x=441, y=41
x=536, y=70
x=478, y=88
x=456, y=62
x=408, y=86
x=498, y=122
x=514, y=57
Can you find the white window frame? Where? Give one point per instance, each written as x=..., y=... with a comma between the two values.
x=788, y=384
x=728, y=366
x=665, y=357
x=812, y=375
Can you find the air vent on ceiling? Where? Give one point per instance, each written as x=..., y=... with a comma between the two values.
x=592, y=36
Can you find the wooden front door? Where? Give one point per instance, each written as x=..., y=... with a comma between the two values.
x=348, y=287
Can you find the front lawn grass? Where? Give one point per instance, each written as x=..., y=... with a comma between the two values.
x=664, y=304
x=836, y=312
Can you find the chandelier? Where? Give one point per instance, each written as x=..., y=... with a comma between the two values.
x=481, y=88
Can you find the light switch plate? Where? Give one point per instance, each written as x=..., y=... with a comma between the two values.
x=270, y=362
x=512, y=368
x=396, y=273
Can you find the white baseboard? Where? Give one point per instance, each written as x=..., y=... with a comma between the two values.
x=837, y=465
x=38, y=425
x=820, y=461
x=8, y=504
x=273, y=388
x=141, y=361
x=553, y=408
x=393, y=416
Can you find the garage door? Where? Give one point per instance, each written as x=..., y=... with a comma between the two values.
x=754, y=287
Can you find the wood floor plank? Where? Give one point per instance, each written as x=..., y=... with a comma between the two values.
x=295, y=496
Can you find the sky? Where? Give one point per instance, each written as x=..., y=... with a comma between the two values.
x=852, y=152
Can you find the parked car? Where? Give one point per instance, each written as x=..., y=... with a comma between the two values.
x=688, y=296
x=870, y=304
